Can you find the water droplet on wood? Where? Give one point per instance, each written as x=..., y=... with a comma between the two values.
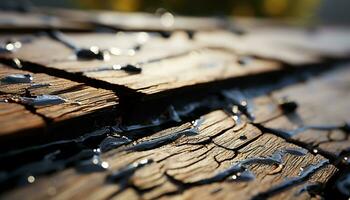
x=42, y=100
x=17, y=78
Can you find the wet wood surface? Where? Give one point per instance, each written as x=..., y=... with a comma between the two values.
x=322, y=118
x=196, y=166
x=256, y=112
x=44, y=100
x=164, y=64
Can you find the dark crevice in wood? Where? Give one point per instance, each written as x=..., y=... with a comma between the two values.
x=309, y=147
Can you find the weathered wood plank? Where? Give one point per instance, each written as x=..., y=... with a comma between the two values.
x=322, y=117
x=164, y=21
x=176, y=163
x=12, y=21
x=54, y=99
x=124, y=48
x=291, y=45
x=166, y=64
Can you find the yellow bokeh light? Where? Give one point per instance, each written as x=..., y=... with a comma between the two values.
x=275, y=7
x=125, y=5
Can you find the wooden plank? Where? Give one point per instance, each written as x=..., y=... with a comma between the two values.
x=12, y=21
x=166, y=64
x=124, y=48
x=54, y=99
x=164, y=21
x=194, y=160
x=322, y=117
x=292, y=45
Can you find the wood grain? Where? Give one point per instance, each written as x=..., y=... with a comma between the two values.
x=180, y=167
x=167, y=64
x=322, y=101
x=80, y=101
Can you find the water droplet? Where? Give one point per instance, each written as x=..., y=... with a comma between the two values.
x=39, y=85
x=278, y=169
x=244, y=103
x=30, y=179
x=95, y=164
x=167, y=19
x=89, y=54
x=105, y=164
x=245, y=60
x=15, y=63
x=287, y=105
x=11, y=46
x=142, y=37
x=77, y=103
x=18, y=78
x=113, y=142
x=315, y=151
x=42, y=100
x=130, y=52
x=243, y=137
x=98, y=150
x=131, y=68
x=235, y=109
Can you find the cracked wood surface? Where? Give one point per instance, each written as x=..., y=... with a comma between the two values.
x=79, y=100
x=245, y=147
x=324, y=104
x=184, y=168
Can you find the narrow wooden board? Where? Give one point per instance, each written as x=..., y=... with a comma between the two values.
x=138, y=21
x=167, y=64
x=54, y=54
x=186, y=166
x=30, y=22
x=76, y=100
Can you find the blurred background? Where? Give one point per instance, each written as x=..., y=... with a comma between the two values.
x=319, y=11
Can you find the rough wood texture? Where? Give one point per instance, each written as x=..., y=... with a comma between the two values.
x=78, y=100
x=152, y=47
x=246, y=143
x=323, y=102
x=190, y=167
x=166, y=64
